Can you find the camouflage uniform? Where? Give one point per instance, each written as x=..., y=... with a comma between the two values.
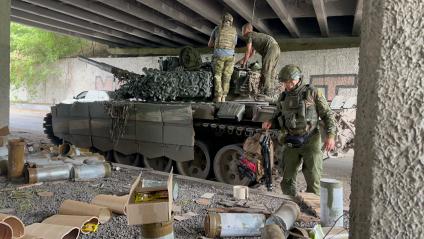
x=299, y=111
x=270, y=51
x=225, y=38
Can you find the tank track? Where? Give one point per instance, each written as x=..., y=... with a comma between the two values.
x=48, y=129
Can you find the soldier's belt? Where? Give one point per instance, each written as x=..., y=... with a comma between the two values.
x=296, y=141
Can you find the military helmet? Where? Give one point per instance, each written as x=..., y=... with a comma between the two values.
x=227, y=17
x=290, y=72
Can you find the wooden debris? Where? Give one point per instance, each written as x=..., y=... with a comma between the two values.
x=203, y=201
x=29, y=185
x=307, y=218
x=208, y=195
x=311, y=200
x=185, y=216
x=45, y=194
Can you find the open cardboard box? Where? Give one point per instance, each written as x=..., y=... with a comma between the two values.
x=149, y=212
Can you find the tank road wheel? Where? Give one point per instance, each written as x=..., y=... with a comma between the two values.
x=200, y=166
x=132, y=159
x=225, y=165
x=48, y=129
x=163, y=164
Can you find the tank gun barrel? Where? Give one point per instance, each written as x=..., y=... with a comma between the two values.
x=101, y=65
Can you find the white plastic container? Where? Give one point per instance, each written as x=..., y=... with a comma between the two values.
x=331, y=202
x=240, y=192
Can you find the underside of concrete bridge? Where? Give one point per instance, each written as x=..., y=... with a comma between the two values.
x=174, y=23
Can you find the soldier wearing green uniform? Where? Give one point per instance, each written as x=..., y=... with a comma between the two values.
x=269, y=49
x=224, y=40
x=299, y=108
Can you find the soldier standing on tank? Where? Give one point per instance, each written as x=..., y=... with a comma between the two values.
x=299, y=108
x=269, y=49
x=223, y=39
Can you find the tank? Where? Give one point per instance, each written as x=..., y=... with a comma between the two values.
x=166, y=117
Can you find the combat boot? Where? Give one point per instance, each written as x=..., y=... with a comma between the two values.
x=223, y=98
x=217, y=99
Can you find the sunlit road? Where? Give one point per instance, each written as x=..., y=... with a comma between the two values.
x=26, y=120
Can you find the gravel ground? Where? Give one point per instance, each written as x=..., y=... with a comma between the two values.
x=34, y=208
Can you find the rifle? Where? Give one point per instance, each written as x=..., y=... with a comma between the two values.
x=265, y=139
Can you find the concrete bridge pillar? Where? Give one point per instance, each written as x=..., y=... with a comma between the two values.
x=4, y=62
x=387, y=199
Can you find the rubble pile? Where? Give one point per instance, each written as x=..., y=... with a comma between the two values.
x=345, y=131
x=345, y=114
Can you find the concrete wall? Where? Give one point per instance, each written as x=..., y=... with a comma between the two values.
x=4, y=62
x=387, y=199
x=333, y=70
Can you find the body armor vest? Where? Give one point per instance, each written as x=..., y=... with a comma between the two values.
x=225, y=37
x=299, y=114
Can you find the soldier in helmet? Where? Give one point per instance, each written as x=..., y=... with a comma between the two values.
x=268, y=47
x=224, y=40
x=299, y=108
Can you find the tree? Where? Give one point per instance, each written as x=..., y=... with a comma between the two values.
x=33, y=50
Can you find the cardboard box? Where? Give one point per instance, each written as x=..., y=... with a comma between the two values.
x=155, y=211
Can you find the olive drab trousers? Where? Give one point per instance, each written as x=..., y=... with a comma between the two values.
x=223, y=69
x=311, y=155
x=269, y=68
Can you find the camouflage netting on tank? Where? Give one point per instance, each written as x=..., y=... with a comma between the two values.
x=156, y=85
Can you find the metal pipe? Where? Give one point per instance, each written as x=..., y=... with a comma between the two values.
x=164, y=230
x=285, y=216
x=331, y=202
x=89, y=172
x=233, y=224
x=16, y=161
x=48, y=173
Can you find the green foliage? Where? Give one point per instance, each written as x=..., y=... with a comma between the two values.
x=32, y=52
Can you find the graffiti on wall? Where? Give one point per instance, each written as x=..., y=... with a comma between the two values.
x=104, y=83
x=330, y=84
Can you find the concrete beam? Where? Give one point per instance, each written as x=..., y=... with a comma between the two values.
x=286, y=44
x=87, y=16
x=387, y=199
x=175, y=11
x=209, y=10
x=283, y=14
x=64, y=26
x=4, y=63
x=150, y=16
x=29, y=8
x=321, y=14
x=152, y=33
x=244, y=8
x=65, y=32
x=206, y=8
x=356, y=29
